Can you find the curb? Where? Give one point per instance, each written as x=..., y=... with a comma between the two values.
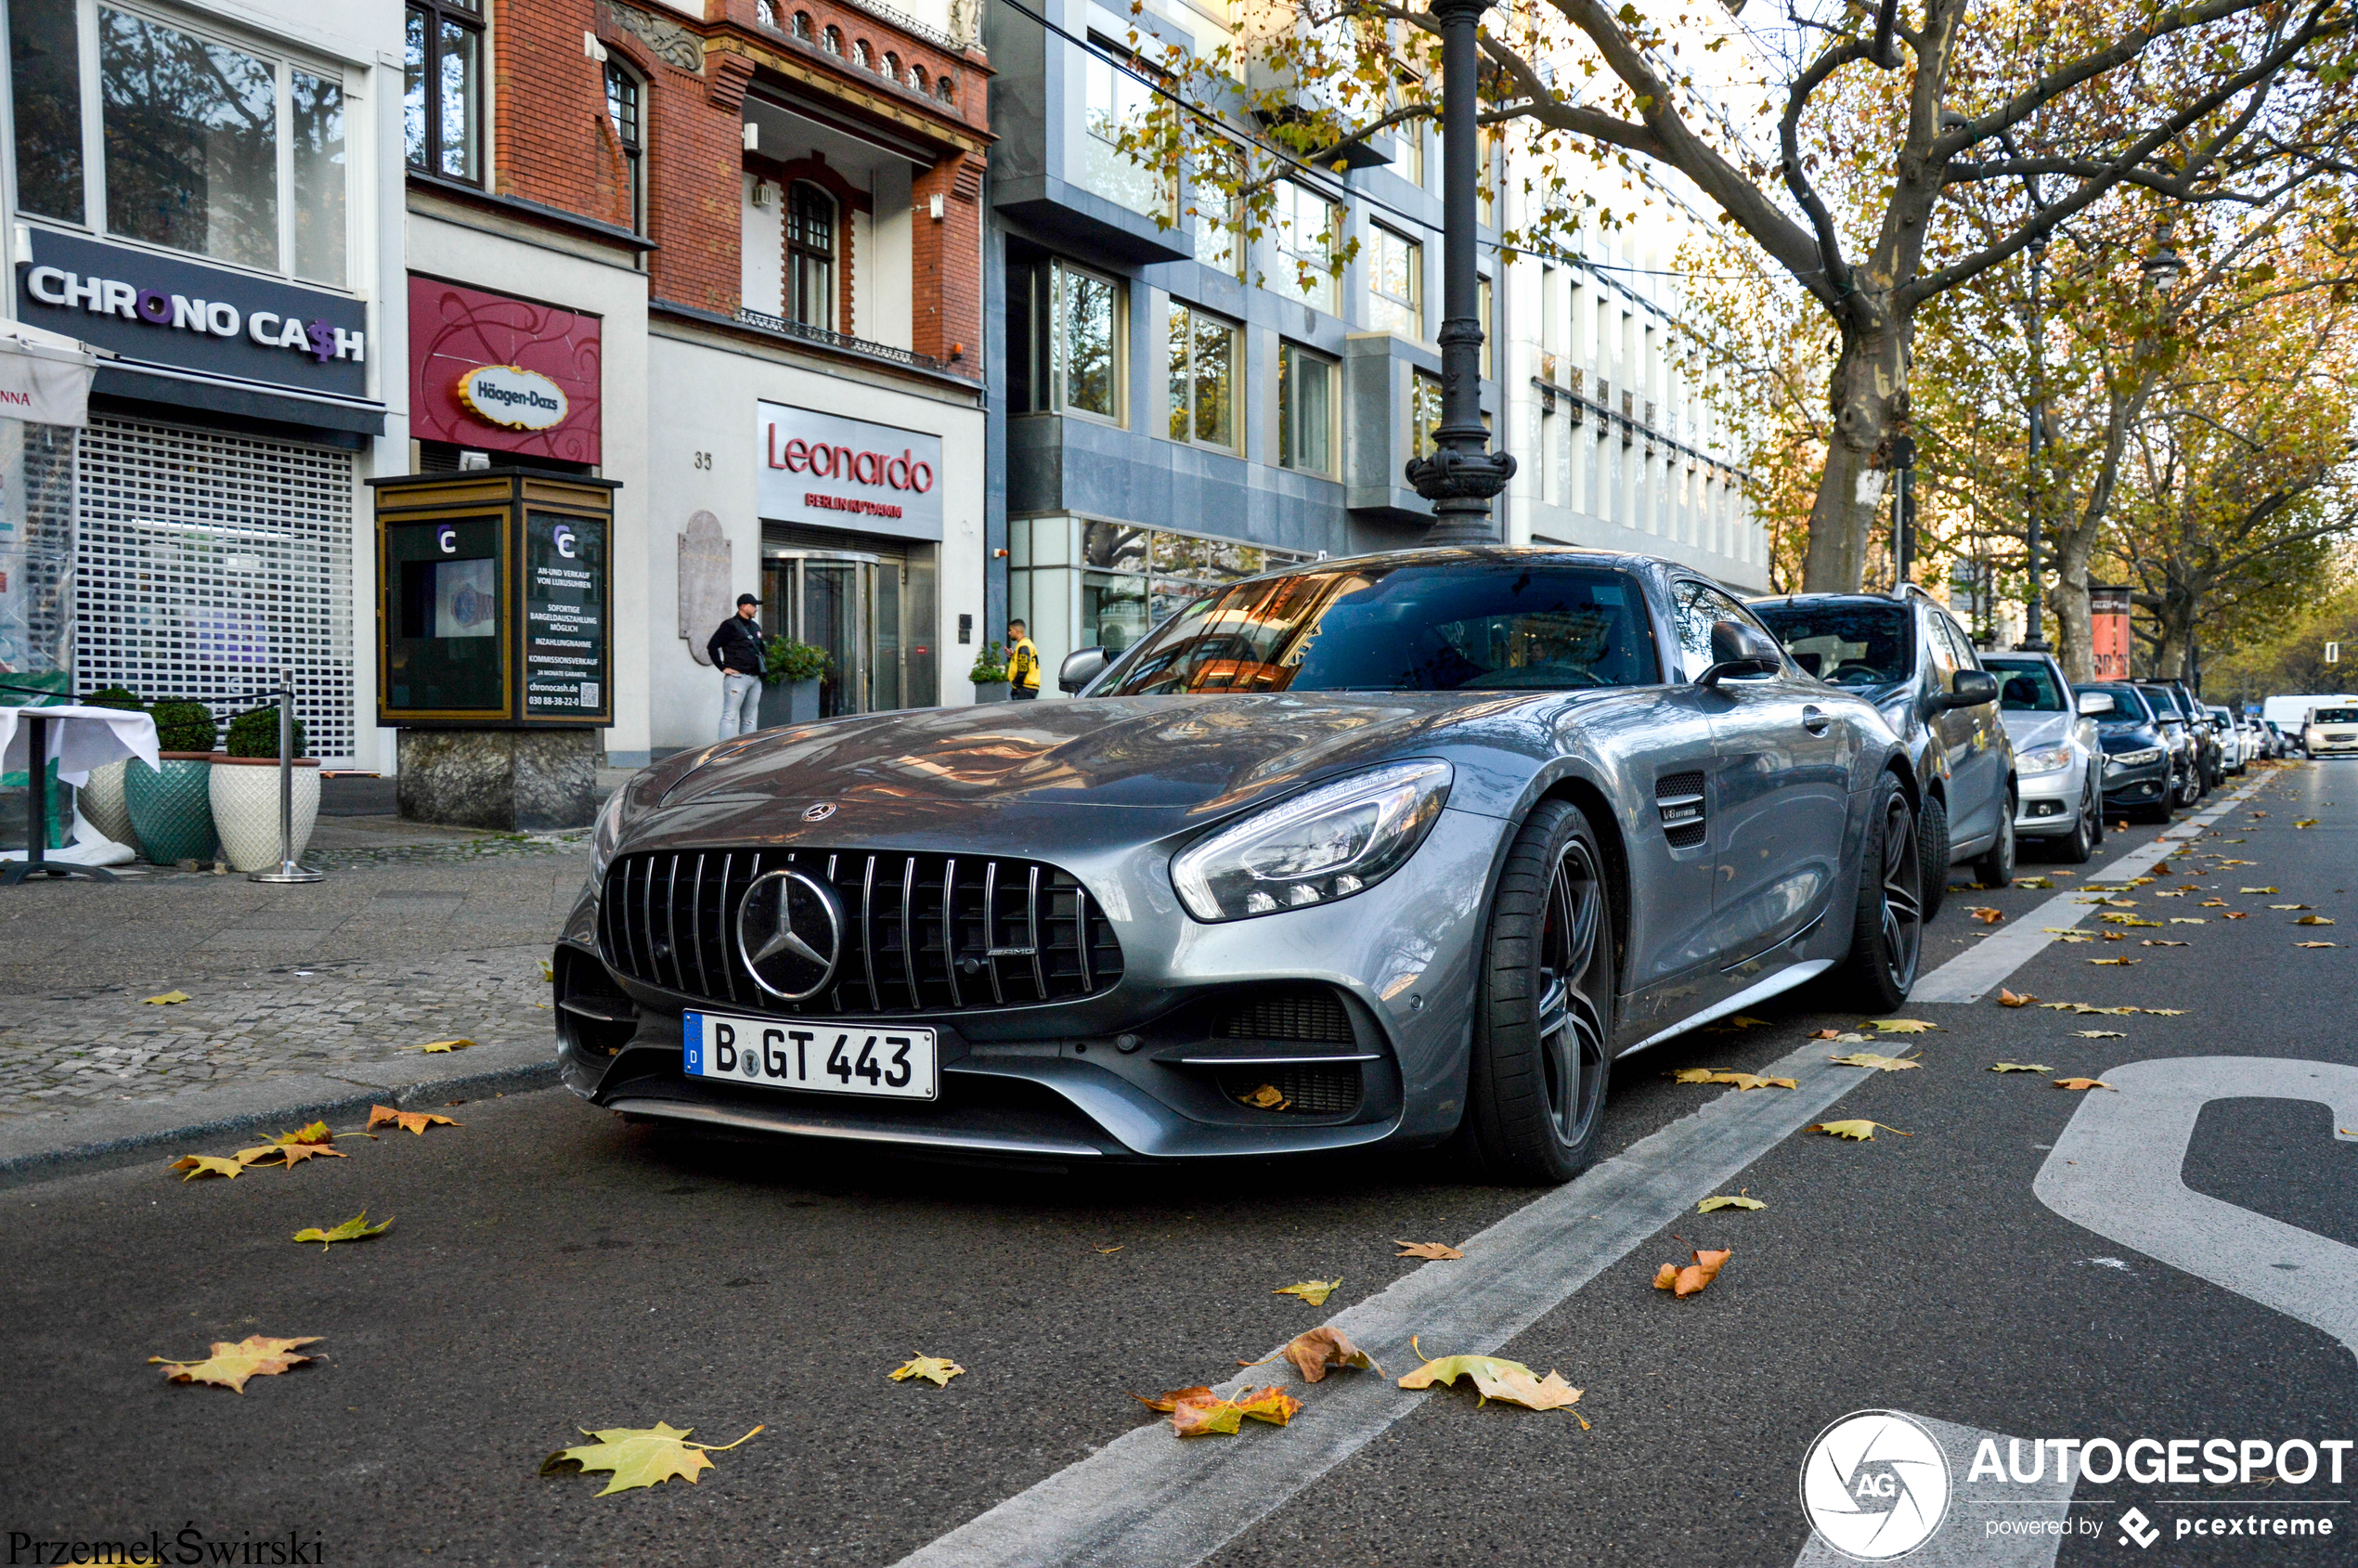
x=107, y=1154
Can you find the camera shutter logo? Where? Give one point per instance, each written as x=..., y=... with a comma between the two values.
x=1876, y=1485
x=790, y=934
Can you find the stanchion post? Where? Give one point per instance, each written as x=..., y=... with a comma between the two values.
x=290, y=870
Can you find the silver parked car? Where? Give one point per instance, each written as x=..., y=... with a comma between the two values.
x=2057, y=756
x=1388, y=849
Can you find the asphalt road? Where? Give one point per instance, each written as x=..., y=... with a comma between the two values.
x=551, y=1269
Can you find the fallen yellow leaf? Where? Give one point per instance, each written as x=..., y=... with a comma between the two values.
x=2312, y=920
x=1870, y=1059
x=2188, y=920
x=936, y=1369
x=2099, y=1034
x=2151, y=943
x=1272, y=1404
x=1740, y=1080
x=547, y=974
x=2316, y=944
x=408, y=1121
x=1986, y=916
x=356, y=1228
x=2022, y=1067
x=1432, y=1250
x=1496, y=1378
x=288, y=1155
x=315, y=1133
x=2257, y=890
x=1320, y=1351
x=1170, y=1399
x=2009, y=999
x=2292, y=906
x=639, y=1456
x=2083, y=1084
x=1314, y=1292
x=2117, y=961
x=1900, y=1026
x=208, y=1165
x=443, y=1047
x=1855, y=1128
x=1713, y=1205
x=229, y=1366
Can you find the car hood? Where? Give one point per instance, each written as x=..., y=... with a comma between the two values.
x=1118, y=767
x=2031, y=729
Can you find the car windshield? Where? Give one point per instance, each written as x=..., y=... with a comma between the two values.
x=1846, y=644
x=2334, y=715
x=2128, y=707
x=2026, y=686
x=1463, y=626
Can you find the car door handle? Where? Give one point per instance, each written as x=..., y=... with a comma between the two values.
x=1816, y=719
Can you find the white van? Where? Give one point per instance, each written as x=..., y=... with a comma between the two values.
x=2290, y=714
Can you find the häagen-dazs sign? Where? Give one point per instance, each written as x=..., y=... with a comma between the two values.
x=512, y=397
x=836, y=473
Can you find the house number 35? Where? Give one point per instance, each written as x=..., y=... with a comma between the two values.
x=704, y=460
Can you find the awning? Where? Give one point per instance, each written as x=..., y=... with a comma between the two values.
x=44, y=376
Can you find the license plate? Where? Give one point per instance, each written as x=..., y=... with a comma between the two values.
x=821, y=1058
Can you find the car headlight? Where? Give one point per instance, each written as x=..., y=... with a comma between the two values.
x=1327, y=844
x=2133, y=759
x=2045, y=759
x=606, y=834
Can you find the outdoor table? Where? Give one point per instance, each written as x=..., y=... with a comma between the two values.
x=79, y=738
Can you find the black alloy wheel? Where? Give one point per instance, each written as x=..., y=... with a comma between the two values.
x=1543, y=1022
x=1887, y=929
x=2190, y=788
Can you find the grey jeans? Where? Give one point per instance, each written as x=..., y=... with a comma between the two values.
x=740, y=704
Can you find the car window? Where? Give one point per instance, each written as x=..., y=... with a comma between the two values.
x=1462, y=627
x=1699, y=607
x=2333, y=715
x=1943, y=652
x=1855, y=645
x=2027, y=685
x=2129, y=705
x=1961, y=646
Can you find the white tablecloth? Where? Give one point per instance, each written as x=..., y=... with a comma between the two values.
x=80, y=739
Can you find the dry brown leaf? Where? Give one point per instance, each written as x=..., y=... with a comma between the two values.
x=2316, y=944
x=1496, y=1378
x=408, y=1121
x=2312, y=920
x=1170, y=1399
x=209, y=1165
x=1986, y=916
x=1321, y=1350
x=2151, y=943
x=1434, y=1249
x=2022, y=1067
x=1901, y=1026
x=229, y=1366
x=1272, y=1404
x=1879, y=1063
x=2083, y=1084
x=1314, y=1292
x=1855, y=1128
x=2236, y=916
x=2099, y=1034
x=1694, y=1276
x=2118, y=962
x=1267, y=1097
x=2008, y=999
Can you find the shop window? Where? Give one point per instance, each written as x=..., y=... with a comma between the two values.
x=623, y=107
x=1424, y=413
x=442, y=88
x=1089, y=343
x=1308, y=228
x=1306, y=410
x=191, y=130
x=1396, y=284
x=811, y=256
x=1203, y=378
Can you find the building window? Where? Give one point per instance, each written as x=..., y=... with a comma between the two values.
x=766, y=13
x=811, y=256
x=860, y=56
x=1203, y=378
x=1088, y=339
x=1305, y=411
x=207, y=147
x=802, y=26
x=442, y=88
x=832, y=40
x=1424, y=413
x=1308, y=227
x=891, y=66
x=623, y=108
x=1489, y=337
x=1396, y=284
x=1118, y=102
x=945, y=90
x=1220, y=243
x=917, y=76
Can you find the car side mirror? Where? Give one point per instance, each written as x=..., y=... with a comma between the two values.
x=1079, y=668
x=1970, y=688
x=1739, y=649
x=2093, y=703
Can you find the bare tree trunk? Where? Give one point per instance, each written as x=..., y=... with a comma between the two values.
x=2074, y=627
x=1869, y=396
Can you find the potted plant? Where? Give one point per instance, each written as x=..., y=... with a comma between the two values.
x=990, y=674
x=245, y=791
x=170, y=805
x=101, y=799
x=790, y=672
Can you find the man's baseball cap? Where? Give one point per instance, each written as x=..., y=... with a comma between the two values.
x=747, y=598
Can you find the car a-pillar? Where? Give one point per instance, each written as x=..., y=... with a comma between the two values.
x=494, y=656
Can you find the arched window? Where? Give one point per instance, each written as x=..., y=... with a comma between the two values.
x=811, y=256
x=944, y=91
x=623, y=108
x=860, y=54
x=802, y=26
x=767, y=13
x=917, y=76
x=832, y=41
x=891, y=66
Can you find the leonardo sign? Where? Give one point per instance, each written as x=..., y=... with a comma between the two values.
x=835, y=472
x=512, y=397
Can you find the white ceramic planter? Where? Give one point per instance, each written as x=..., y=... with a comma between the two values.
x=102, y=804
x=245, y=809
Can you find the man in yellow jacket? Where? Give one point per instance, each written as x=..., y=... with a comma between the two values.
x=1023, y=665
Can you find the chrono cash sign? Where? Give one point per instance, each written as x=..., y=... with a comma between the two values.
x=512, y=397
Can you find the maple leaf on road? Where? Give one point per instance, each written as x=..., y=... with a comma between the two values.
x=1880, y=1064
x=1430, y=1250
x=229, y=1366
x=1857, y=1128
x=1496, y=1378
x=1314, y=1292
x=639, y=1456
x=936, y=1369
x=1713, y=1205
x=2022, y=1067
x=1687, y=1281
x=1320, y=1351
x=356, y=1228
x=409, y=1121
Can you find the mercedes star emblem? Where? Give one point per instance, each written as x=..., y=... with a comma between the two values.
x=820, y=812
x=790, y=934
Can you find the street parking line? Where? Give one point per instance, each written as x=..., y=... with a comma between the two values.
x=1150, y=1500
x=1973, y=975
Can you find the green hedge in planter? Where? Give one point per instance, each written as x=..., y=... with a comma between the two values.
x=256, y=734
x=115, y=697
x=784, y=659
x=185, y=726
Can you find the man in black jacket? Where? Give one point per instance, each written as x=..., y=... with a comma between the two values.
x=736, y=654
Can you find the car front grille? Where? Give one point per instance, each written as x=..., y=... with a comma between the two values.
x=923, y=933
x=1302, y=1090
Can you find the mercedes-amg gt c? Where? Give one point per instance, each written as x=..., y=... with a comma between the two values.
x=1392, y=849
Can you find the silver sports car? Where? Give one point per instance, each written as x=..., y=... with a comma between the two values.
x=1398, y=848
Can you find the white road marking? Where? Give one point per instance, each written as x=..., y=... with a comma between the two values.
x=1966, y=1538
x=2116, y=1170
x=1149, y=1500
x=1974, y=973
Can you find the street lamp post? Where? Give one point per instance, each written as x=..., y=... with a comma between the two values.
x=1462, y=473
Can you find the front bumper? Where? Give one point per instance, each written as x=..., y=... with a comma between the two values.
x=2147, y=785
x=1146, y=1071
x=2049, y=803
x=2329, y=747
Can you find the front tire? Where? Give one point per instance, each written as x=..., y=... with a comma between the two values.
x=1543, y=1005
x=1996, y=866
x=1887, y=933
x=1932, y=841
x=2086, y=833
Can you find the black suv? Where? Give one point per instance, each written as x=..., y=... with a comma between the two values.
x=1907, y=656
x=2147, y=768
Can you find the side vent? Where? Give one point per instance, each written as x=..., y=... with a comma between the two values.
x=1678, y=797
